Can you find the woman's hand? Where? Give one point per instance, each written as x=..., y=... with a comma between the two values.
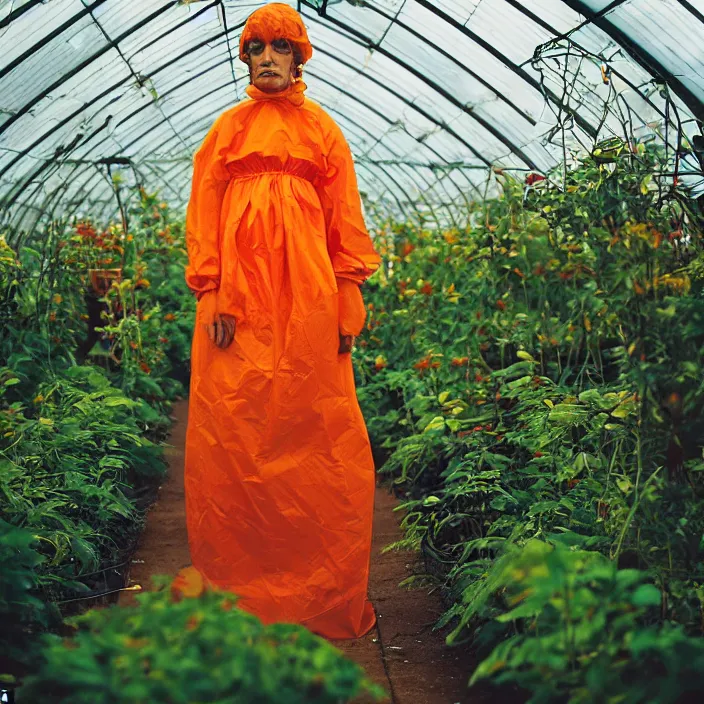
x=222, y=330
x=346, y=343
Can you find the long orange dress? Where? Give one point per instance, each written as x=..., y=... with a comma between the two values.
x=279, y=473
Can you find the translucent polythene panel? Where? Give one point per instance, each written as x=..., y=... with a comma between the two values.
x=239, y=10
x=374, y=183
x=331, y=45
x=507, y=29
x=199, y=94
x=361, y=19
x=75, y=92
x=187, y=90
x=395, y=180
x=433, y=106
x=390, y=130
x=318, y=26
x=445, y=73
x=449, y=148
x=597, y=5
x=177, y=177
x=168, y=152
x=578, y=85
x=194, y=102
x=448, y=192
x=379, y=180
x=495, y=70
x=419, y=179
x=517, y=132
x=498, y=78
x=670, y=34
x=46, y=66
x=149, y=50
x=8, y=6
x=31, y=27
x=603, y=47
x=119, y=19
x=48, y=145
x=559, y=16
x=41, y=195
x=543, y=156
x=209, y=59
x=460, y=10
x=361, y=142
x=428, y=182
x=397, y=109
x=85, y=185
x=467, y=188
x=208, y=109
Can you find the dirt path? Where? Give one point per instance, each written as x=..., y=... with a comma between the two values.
x=401, y=653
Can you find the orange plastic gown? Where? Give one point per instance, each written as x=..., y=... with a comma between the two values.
x=279, y=473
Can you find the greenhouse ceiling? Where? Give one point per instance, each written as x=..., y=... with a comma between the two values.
x=433, y=95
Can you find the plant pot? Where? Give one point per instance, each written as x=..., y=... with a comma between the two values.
x=101, y=279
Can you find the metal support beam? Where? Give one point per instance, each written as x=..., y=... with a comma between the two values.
x=5, y=70
x=366, y=41
x=641, y=56
x=79, y=67
x=540, y=22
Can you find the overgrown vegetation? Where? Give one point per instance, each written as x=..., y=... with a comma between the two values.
x=536, y=383
x=200, y=648
x=92, y=354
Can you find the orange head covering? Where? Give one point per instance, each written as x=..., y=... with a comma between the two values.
x=276, y=21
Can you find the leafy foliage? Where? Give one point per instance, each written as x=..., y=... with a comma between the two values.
x=21, y=608
x=198, y=648
x=536, y=381
x=87, y=378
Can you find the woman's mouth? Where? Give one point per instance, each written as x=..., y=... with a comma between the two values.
x=267, y=74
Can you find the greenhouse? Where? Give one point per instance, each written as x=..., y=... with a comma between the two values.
x=351, y=351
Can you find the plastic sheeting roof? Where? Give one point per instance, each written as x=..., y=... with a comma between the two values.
x=430, y=93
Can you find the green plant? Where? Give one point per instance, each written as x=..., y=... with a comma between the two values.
x=537, y=375
x=22, y=612
x=196, y=649
x=578, y=635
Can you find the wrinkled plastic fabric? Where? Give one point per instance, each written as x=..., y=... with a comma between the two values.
x=279, y=474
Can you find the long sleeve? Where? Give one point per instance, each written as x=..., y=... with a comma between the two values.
x=203, y=215
x=349, y=245
x=353, y=312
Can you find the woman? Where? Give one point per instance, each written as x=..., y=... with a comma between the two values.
x=279, y=472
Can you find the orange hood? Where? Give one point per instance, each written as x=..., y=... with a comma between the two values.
x=276, y=21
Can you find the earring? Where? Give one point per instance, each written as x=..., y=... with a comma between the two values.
x=299, y=73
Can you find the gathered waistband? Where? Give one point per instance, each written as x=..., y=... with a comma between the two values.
x=257, y=165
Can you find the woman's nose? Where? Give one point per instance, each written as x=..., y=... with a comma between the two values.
x=268, y=53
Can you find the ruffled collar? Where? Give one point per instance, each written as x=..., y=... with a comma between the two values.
x=294, y=93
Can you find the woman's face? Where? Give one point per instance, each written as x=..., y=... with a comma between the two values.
x=271, y=65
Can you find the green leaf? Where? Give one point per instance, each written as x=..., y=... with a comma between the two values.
x=624, y=485
x=567, y=414
x=646, y=595
x=437, y=423
x=516, y=383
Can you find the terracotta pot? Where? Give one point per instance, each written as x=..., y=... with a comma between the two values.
x=101, y=279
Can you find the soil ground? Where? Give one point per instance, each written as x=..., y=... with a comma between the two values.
x=402, y=652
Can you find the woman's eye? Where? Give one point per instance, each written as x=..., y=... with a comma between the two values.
x=282, y=46
x=255, y=47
